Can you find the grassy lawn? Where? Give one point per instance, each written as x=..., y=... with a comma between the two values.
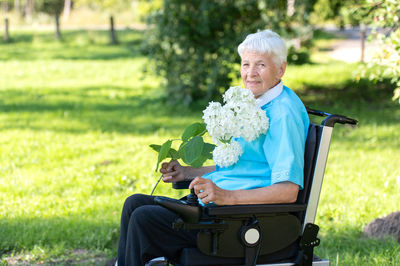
x=76, y=119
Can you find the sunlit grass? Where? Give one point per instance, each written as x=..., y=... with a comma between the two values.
x=74, y=143
x=76, y=119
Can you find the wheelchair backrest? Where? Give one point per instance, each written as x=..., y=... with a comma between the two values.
x=310, y=154
x=316, y=156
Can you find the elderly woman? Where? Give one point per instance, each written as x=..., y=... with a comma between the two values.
x=270, y=170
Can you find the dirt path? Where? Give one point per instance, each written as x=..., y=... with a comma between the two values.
x=349, y=50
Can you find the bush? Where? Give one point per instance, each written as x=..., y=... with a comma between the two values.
x=193, y=43
x=298, y=56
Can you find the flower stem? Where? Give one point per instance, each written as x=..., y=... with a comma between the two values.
x=155, y=186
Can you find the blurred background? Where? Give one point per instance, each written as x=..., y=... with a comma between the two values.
x=87, y=85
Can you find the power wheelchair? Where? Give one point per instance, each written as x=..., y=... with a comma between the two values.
x=267, y=234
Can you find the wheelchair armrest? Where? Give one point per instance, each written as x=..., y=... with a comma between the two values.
x=188, y=213
x=181, y=184
x=253, y=209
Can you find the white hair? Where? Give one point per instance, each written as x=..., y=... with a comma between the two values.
x=265, y=41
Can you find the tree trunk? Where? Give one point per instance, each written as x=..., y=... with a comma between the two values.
x=22, y=10
x=6, y=34
x=17, y=4
x=29, y=6
x=17, y=7
x=6, y=7
x=27, y=9
x=363, y=35
x=113, y=37
x=58, y=33
x=67, y=9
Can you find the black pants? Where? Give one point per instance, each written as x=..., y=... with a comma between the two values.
x=146, y=232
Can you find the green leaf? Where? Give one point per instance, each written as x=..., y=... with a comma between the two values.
x=199, y=162
x=196, y=129
x=206, y=154
x=155, y=147
x=192, y=150
x=163, y=153
x=173, y=154
x=207, y=150
x=182, y=149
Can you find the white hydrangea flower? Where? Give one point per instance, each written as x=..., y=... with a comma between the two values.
x=239, y=94
x=254, y=123
x=239, y=117
x=227, y=154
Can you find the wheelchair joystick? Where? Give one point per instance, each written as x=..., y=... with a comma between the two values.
x=192, y=198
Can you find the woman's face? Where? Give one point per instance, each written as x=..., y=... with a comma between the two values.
x=259, y=72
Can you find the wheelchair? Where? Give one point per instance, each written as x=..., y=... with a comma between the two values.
x=263, y=234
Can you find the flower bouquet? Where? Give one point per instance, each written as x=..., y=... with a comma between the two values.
x=238, y=117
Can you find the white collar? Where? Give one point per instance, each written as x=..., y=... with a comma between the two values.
x=270, y=95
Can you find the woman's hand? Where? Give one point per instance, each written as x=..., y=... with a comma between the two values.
x=208, y=192
x=172, y=172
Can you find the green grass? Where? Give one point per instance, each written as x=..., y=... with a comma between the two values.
x=76, y=119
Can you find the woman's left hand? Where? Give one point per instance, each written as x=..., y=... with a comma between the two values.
x=208, y=192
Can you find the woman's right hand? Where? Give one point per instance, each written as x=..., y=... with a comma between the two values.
x=172, y=172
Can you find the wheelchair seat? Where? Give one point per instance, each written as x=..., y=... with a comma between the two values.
x=273, y=234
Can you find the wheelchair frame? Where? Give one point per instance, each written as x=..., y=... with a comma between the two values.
x=308, y=237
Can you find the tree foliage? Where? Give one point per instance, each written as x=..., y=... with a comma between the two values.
x=384, y=15
x=111, y=5
x=146, y=7
x=325, y=10
x=53, y=8
x=193, y=43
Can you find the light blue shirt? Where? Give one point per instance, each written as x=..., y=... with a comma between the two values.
x=276, y=156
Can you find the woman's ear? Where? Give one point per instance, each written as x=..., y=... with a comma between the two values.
x=282, y=69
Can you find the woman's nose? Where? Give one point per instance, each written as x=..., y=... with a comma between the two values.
x=252, y=71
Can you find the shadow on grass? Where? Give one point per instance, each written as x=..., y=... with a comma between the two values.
x=348, y=93
x=94, y=109
x=70, y=232
x=347, y=246
x=360, y=100
x=87, y=109
x=81, y=111
x=75, y=45
x=319, y=34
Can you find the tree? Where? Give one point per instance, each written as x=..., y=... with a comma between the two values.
x=146, y=7
x=53, y=8
x=383, y=15
x=17, y=5
x=67, y=9
x=112, y=6
x=325, y=10
x=193, y=43
x=6, y=5
x=29, y=6
x=6, y=31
